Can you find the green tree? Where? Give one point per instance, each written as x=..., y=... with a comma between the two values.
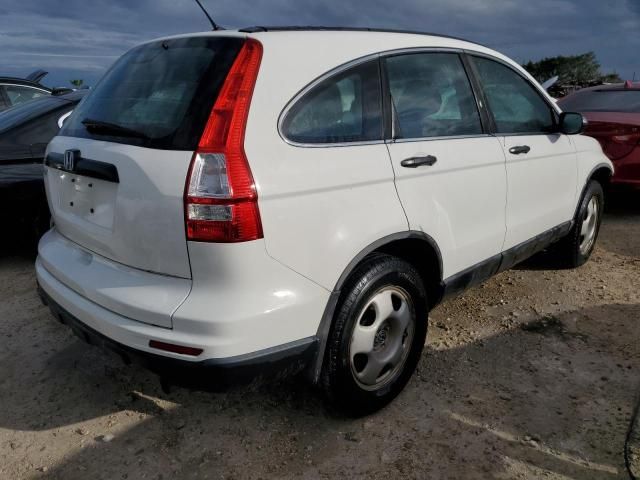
x=577, y=70
x=611, y=78
x=76, y=83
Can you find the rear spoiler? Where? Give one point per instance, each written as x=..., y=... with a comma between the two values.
x=36, y=76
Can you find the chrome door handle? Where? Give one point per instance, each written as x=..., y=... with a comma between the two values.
x=415, y=162
x=520, y=149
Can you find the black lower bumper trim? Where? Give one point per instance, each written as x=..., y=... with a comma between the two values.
x=210, y=375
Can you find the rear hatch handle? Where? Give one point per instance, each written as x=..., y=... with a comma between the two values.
x=73, y=162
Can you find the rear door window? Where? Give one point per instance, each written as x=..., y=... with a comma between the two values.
x=343, y=108
x=163, y=91
x=432, y=96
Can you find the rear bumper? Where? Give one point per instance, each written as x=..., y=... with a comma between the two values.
x=240, y=301
x=146, y=297
x=212, y=374
x=248, y=315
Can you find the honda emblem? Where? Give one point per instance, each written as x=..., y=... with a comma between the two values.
x=70, y=157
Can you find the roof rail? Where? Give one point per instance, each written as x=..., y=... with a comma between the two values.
x=293, y=28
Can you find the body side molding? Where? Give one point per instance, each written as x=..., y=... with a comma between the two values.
x=476, y=274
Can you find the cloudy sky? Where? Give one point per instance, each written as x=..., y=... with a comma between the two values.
x=81, y=38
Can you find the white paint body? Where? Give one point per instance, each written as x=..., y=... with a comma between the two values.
x=128, y=271
x=543, y=189
x=438, y=199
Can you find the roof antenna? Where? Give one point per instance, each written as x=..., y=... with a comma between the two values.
x=214, y=25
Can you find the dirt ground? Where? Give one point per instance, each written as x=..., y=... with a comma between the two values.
x=531, y=375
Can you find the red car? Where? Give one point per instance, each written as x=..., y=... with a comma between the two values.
x=613, y=112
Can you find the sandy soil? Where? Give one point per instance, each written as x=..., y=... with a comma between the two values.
x=532, y=375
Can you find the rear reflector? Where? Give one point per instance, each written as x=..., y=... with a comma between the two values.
x=170, y=347
x=221, y=200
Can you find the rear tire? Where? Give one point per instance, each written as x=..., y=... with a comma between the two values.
x=377, y=336
x=575, y=249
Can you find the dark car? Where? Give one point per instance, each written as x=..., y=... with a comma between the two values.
x=14, y=91
x=25, y=131
x=613, y=112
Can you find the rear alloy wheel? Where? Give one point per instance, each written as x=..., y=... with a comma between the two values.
x=377, y=335
x=381, y=338
x=576, y=248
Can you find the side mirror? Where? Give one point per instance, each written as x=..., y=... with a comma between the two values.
x=572, y=123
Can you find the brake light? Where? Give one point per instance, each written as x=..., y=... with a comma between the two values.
x=221, y=201
x=630, y=136
x=618, y=140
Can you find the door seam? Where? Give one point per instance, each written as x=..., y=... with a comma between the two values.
x=395, y=185
x=502, y=144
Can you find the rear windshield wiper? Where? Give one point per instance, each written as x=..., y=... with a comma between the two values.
x=108, y=128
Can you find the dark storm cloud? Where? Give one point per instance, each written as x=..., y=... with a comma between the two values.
x=80, y=38
x=634, y=5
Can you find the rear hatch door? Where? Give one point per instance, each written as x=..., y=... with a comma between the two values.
x=115, y=175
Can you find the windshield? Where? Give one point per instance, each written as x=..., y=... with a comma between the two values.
x=626, y=101
x=163, y=90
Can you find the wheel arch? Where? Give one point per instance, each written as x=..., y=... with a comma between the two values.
x=602, y=173
x=415, y=247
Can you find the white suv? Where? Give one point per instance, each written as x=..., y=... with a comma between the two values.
x=233, y=204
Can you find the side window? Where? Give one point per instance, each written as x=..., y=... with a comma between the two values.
x=516, y=106
x=344, y=108
x=432, y=96
x=18, y=94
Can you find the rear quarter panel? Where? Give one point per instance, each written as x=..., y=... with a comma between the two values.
x=320, y=206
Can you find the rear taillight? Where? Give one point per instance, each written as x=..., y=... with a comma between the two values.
x=221, y=201
x=629, y=137
x=618, y=140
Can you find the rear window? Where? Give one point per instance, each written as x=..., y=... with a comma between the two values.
x=25, y=112
x=163, y=91
x=627, y=101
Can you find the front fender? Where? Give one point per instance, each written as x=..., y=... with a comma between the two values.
x=591, y=159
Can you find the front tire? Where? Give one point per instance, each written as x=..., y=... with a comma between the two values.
x=575, y=249
x=377, y=335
